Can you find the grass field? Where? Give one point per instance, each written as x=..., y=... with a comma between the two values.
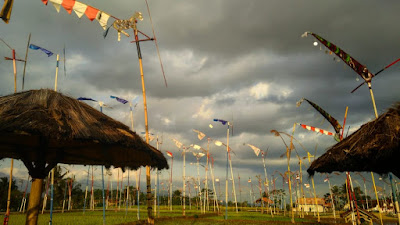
x=166, y=217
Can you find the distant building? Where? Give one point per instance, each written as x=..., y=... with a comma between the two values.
x=308, y=205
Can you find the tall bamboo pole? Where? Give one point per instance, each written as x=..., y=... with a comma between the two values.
x=213, y=182
x=86, y=190
x=290, y=186
x=184, y=182
x=372, y=175
x=233, y=182
x=315, y=194
x=333, y=202
x=302, y=189
x=150, y=218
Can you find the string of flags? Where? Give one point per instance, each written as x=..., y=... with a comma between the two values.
x=80, y=8
x=200, y=134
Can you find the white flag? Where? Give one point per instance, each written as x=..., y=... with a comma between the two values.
x=79, y=8
x=255, y=149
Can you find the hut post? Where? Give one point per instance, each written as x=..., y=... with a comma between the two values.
x=34, y=202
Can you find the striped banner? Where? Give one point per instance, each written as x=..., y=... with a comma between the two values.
x=316, y=129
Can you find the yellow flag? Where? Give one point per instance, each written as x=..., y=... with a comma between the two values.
x=5, y=13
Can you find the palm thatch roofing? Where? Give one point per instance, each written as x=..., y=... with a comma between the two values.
x=374, y=147
x=44, y=127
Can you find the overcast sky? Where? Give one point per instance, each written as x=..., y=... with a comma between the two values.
x=241, y=61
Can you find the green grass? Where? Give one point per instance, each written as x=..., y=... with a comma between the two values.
x=193, y=217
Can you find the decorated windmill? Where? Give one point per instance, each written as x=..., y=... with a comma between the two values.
x=121, y=26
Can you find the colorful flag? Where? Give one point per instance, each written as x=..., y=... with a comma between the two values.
x=35, y=47
x=57, y=4
x=91, y=12
x=328, y=117
x=316, y=129
x=177, y=143
x=222, y=121
x=123, y=101
x=200, y=134
x=249, y=181
x=350, y=61
x=169, y=154
x=255, y=149
x=68, y=5
x=5, y=13
x=297, y=177
x=307, y=185
x=326, y=179
x=79, y=8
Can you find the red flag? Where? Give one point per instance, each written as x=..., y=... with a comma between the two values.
x=169, y=154
x=45, y=1
x=68, y=5
x=91, y=12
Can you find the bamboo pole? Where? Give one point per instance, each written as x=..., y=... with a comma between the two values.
x=333, y=202
x=315, y=194
x=290, y=186
x=150, y=218
x=233, y=182
x=372, y=175
x=26, y=59
x=56, y=77
x=213, y=182
x=302, y=189
x=34, y=201
x=86, y=190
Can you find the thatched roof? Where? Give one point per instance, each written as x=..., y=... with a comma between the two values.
x=374, y=147
x=43, y=125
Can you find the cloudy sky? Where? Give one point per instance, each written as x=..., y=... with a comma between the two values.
x=241, y=61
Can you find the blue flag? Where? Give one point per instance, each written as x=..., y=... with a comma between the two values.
x=123, y=101
x=35, y=47
x=222, y=121
x=86, y=99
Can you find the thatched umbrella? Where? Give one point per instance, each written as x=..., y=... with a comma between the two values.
x=373, y=147
x=43, y=128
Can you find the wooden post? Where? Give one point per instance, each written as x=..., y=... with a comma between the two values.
x=55, y=82
x=34, y=202
x=288, y=160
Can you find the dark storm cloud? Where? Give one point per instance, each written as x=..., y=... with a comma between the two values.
x=235, y=60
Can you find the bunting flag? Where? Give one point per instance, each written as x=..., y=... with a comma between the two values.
x=350, y=61
x=177, y=143
x=200, y=134
x=328, y=117
x=80, y=9
x=5, y=12
x=86, y=99
x=316, y=129
x=198, y=155
x=222, y=121
x=255, y=149
x=249, y=181
x=35, y=47
x=170, y=154
x=217, y=180
x=123, y=101
x=297, y=177
x=326, y=179
x=307, y=185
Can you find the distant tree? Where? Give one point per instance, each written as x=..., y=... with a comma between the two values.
x=16, y=195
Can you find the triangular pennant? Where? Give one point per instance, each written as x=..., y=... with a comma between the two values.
x=79, y=8
x=57, y=4
x=68, y=5
x=91, y=12
x=102, y=17
x=45, y=1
